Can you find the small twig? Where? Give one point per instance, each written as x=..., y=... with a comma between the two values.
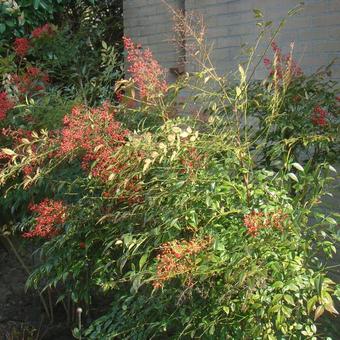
x=40, y=325
x=50, y=304
x=67, y=310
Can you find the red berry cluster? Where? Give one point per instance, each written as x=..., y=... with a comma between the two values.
x=146, y=72
x=98, y=134
x=51, y=215
x=21, y=46
x=255, y=221
x=282, y=64
x=319, y=116
x=32, y=81
x=176, y=258
x=6, y=104
x=46, y=30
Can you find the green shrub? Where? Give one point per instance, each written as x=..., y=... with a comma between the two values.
x=196, y=226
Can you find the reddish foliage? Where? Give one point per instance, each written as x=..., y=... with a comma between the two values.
x=319, y=116
x=28, y=170
x=176, y=258
x=146, y=72
x=297, y=99
x=43, y=31
x=51, y=215
x=98, y=134
x=4, y=158
x=5, y=105
x=255, y=221
x=282, y=64
x=16, y=135
x=21, y=46
x=192, y=161
x=119, y=96
x=131, y=193
x=267, y=62
x=31, y=82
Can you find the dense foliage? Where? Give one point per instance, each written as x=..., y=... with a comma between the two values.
x=201, y=225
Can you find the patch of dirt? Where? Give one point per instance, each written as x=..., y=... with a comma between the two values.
x=21, y=313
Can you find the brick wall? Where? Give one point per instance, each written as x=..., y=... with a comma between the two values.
x=316, y=30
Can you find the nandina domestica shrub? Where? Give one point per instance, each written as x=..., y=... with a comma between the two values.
x=194, y=228
x=39, y=87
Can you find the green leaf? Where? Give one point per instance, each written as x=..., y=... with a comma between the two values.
x=219, y=245
x=287, y=311
x=242, y=73
x=2, y=28
x=135, y=284
x=278, y=284
x=8, y=152
x=289, y=299
x=212, y=330
x=238, y=91
x=76, y=333
x=318, y=312
x=143, y=260
x=293, y=177
x=36, y=4
x=298, y=166
x=257, y=13
x=10, y=23
x=332, y=168
x=331, y=220
x=311, y=303
x=277, y=297
x=292, y=287
x=296, y=9
x=330, y=308
x=274, y=309
x=279, y=319
x=318, y=284
x=226, y=309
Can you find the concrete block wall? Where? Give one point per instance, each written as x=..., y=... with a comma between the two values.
x=230, y=23
x=149, y=22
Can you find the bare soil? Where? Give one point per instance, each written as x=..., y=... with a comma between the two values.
x=21, y=313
